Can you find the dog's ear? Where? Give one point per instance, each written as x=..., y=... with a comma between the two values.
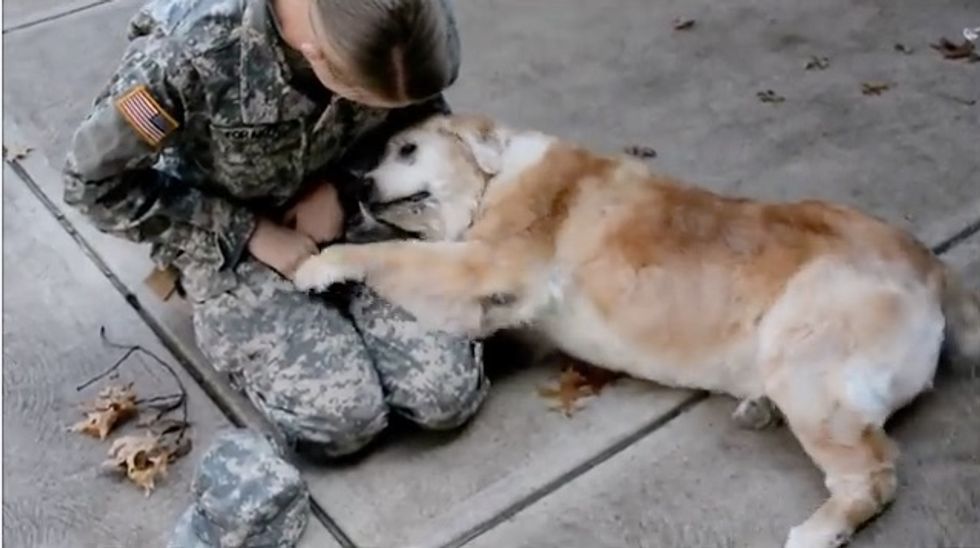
x=482, y=137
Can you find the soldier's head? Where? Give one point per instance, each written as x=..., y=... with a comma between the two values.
x=384, y=52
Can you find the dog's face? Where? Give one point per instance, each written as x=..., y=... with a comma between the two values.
x=431, y=178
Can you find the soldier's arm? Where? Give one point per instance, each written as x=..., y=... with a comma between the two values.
x=109, y=174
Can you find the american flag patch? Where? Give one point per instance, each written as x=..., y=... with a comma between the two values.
x=145, y=115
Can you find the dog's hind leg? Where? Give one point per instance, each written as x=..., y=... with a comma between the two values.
x=858, y=461
x=837, y=363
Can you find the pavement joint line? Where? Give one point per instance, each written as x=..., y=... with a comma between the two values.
x=331, y=524
x=54, y=16
x=950, y=242
x=689, y=403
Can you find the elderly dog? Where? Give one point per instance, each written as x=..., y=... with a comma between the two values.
x=834, y=316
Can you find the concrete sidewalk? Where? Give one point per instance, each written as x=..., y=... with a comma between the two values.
x=641, y=466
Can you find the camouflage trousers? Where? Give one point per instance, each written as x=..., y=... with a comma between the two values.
x=329, y=377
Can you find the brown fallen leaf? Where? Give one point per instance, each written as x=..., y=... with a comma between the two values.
x=683, y=24
x=817, y=63
x=141, y=457
x=15, y=152
x=951, y=50
x=875, y=88
x=577, y=382
x=595, y=377
x=114, y=405
x=567, y=395
x=640, y=151
x=770, y=96
x=902, y=48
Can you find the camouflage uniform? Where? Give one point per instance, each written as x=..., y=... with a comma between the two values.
x=251, y=126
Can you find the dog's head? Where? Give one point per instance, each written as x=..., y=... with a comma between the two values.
x=431, y=178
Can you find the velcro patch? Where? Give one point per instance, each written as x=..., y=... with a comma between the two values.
x=145, y=115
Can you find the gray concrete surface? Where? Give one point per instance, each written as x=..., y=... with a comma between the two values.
x=22, y=13
x=612, y=73
x=55, y=302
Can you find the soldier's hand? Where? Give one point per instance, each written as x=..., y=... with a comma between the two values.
x=281, y=249
x=318, y=214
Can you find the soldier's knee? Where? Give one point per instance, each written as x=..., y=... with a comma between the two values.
x=448, y=404
x=447, y=411
x=337, y=428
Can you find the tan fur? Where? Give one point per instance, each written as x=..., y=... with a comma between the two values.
x=835, y=316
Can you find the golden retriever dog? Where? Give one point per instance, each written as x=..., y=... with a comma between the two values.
x=836, y=318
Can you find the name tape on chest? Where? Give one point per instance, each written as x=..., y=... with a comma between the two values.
x=145, y=115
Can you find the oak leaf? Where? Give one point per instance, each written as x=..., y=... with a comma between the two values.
x=16, y=152
x=114, y=405
x=683, y=24
x=875, y=88
x=143, y=458
x=770, y=96
x=952, y=50
x=640, y=151
x=577, y=383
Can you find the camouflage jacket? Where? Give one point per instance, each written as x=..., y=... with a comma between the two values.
x=202, y=127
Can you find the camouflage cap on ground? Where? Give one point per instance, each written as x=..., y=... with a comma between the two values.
x=245, y=496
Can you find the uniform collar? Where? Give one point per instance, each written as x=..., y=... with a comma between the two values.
x=266, y=95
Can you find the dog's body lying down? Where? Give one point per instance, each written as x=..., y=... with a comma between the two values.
x=832, y=315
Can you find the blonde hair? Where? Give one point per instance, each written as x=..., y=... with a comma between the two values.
x=402, y=50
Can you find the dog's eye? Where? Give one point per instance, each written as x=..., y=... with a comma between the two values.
x=407, y=150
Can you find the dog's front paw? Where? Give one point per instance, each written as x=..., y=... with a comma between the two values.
x=812, y=535
x=324, y=270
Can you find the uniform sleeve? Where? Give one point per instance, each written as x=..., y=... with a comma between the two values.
x=109, y=173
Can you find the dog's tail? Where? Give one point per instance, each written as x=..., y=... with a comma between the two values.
x=961, y=307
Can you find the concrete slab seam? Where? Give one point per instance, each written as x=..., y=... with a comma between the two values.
x=961, y=236
x=54, y=16
x=331, y=524
x=555, y=484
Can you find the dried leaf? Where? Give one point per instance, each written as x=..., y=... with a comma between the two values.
x=567, y=395
x=952, y=50
x=683, y=24
x=596, y=377
x=144, y=458
x=902, y=48
x=114, y=405
x=640, y=151
x=578, y=381
x=16, y=152
x=770, y=96
x=817, y=63
x=875, y=88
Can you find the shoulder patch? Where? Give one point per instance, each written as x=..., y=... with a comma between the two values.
x=145, y=115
